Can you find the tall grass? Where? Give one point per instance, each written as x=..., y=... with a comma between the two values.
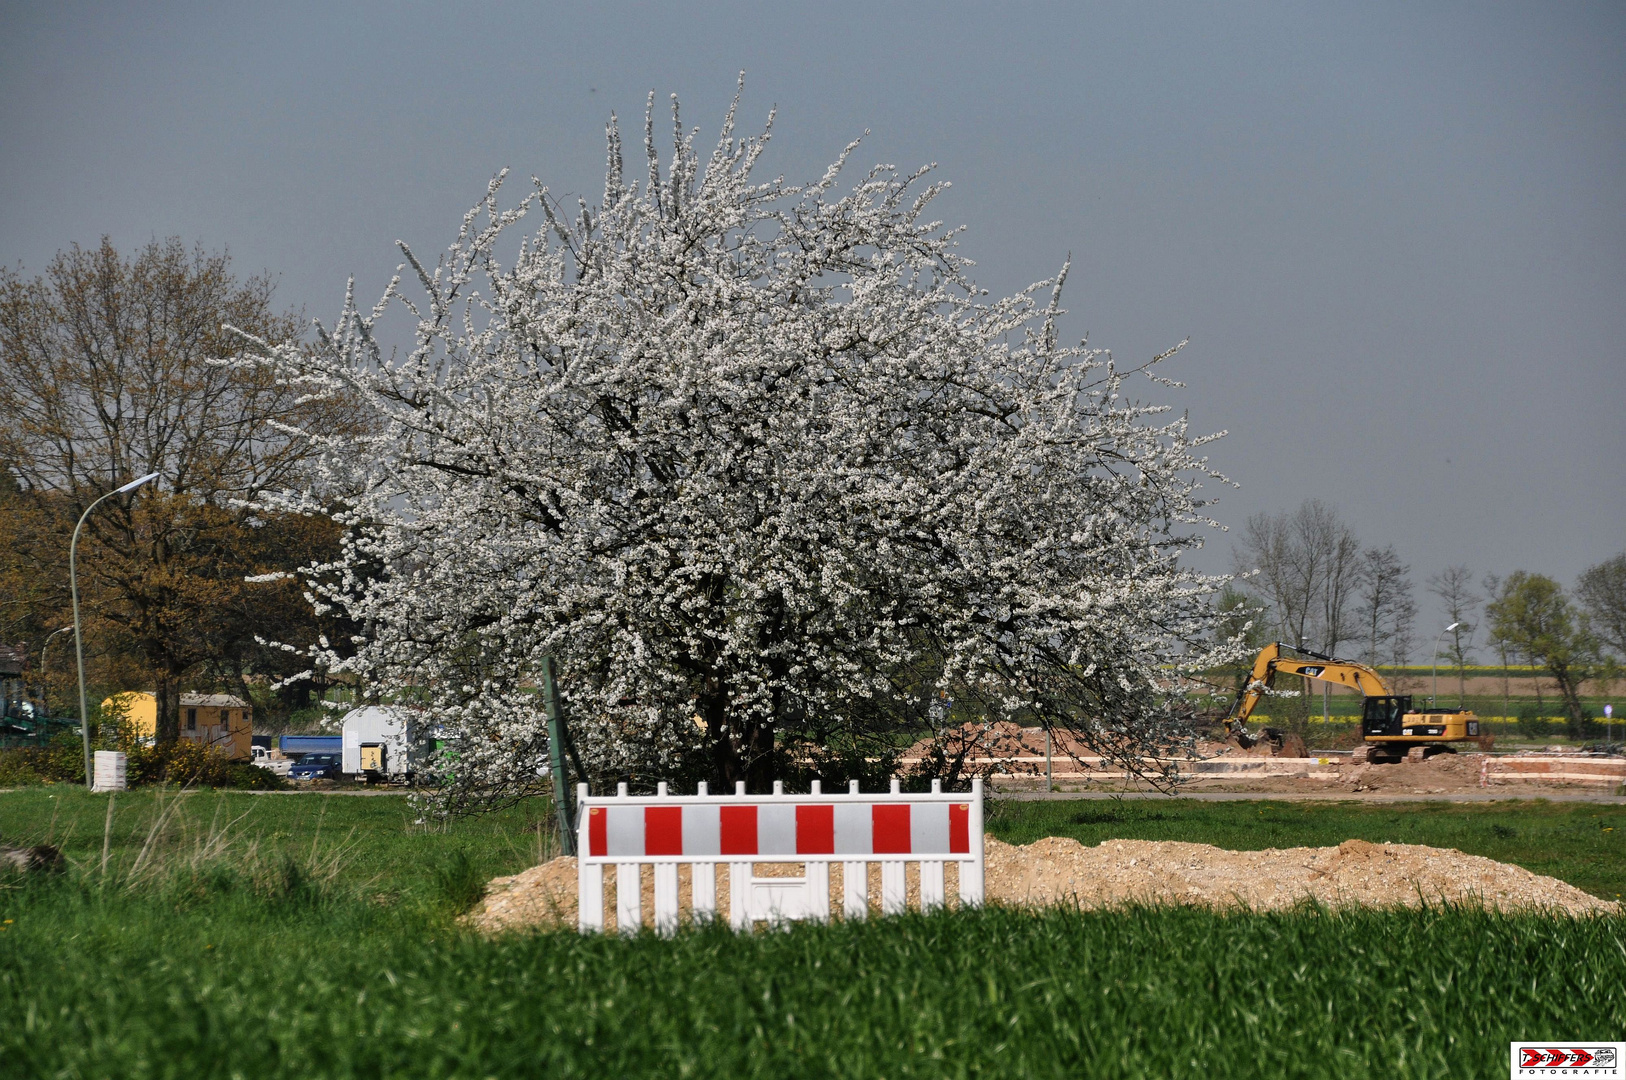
x=180, y=857
x=311, y=936
x=1131, y=993
x=366, y=844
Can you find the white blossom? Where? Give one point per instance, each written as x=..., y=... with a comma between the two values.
x=753, y=454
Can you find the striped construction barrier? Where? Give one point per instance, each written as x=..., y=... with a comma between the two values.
x=701, y=830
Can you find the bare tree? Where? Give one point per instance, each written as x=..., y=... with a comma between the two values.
x=1455, y=587
x=1343, y=561
x=1602, y=591
x=1307, y=565
x=107, y=371
x=1266, y=564
x=1384, y=610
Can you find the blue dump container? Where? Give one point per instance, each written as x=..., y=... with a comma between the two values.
x=300, y=745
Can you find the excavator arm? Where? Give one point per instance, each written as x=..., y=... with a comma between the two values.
x=1271, y=662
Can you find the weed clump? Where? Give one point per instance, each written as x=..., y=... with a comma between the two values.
x=458, y=882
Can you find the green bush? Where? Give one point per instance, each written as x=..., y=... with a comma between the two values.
x=1587, y=729
x=63, y=762
x=183, y=763
x=1531, y=725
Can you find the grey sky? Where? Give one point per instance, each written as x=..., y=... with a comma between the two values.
x=1394, y=232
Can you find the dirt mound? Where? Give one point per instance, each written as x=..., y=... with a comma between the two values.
x=1061, y=871
x=541, y=896
x=1057, y=870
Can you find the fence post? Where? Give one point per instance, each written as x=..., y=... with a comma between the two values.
x=854, y=880
x=931, y=872
x=894, y=884
x=589, y=878
x=971, y=874
x=556, y=758
x=703, y=878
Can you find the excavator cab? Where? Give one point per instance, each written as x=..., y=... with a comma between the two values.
x=1384, y=715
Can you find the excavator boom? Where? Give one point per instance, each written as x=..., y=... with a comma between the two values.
x=1271, y=662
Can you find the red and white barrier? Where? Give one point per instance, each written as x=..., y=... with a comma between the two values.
x=738, y=830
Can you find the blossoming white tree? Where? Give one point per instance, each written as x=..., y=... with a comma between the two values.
x=748, y=457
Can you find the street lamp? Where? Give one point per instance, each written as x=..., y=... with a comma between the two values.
x=45, y=682
x=78, y=644
x=1462, y=692
x=1433, y=697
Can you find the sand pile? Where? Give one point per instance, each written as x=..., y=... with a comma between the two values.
x=1057, y=870
x=541, y=896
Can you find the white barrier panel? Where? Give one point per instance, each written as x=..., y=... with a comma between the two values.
x=738, y=830
x=110, y=771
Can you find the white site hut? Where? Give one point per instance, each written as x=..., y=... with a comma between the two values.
x=375, y=744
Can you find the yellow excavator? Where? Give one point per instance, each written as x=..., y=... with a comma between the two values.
x=1390, y=725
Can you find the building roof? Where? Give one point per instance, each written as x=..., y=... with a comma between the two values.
x=212, y=701
x=192, y=701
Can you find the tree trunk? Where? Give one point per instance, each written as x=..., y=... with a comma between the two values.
x=726, y=768
x=739, y=749
x=1507, y=688
x=760, y=765
x=167, y=722
x=1571, y=692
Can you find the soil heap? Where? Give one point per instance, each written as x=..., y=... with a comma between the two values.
x=1062, y=871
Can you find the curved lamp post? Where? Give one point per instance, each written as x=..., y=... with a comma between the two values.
x=1462, y=693
x=45, y=682
x=78, y=645
x=1433, y=697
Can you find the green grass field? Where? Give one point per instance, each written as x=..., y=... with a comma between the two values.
x=245, y=943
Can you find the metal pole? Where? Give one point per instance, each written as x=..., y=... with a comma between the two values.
x=78, y=642
x=556, y=758
x=1433, y=697
x=1462, y=680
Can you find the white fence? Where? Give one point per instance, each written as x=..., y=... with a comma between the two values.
x=700, y=831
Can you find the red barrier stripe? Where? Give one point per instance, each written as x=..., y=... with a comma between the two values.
x=891, y=823
x=737, y=830
x=663, y=830
x=959, y=829
x=597, y=841
x=815, y=830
